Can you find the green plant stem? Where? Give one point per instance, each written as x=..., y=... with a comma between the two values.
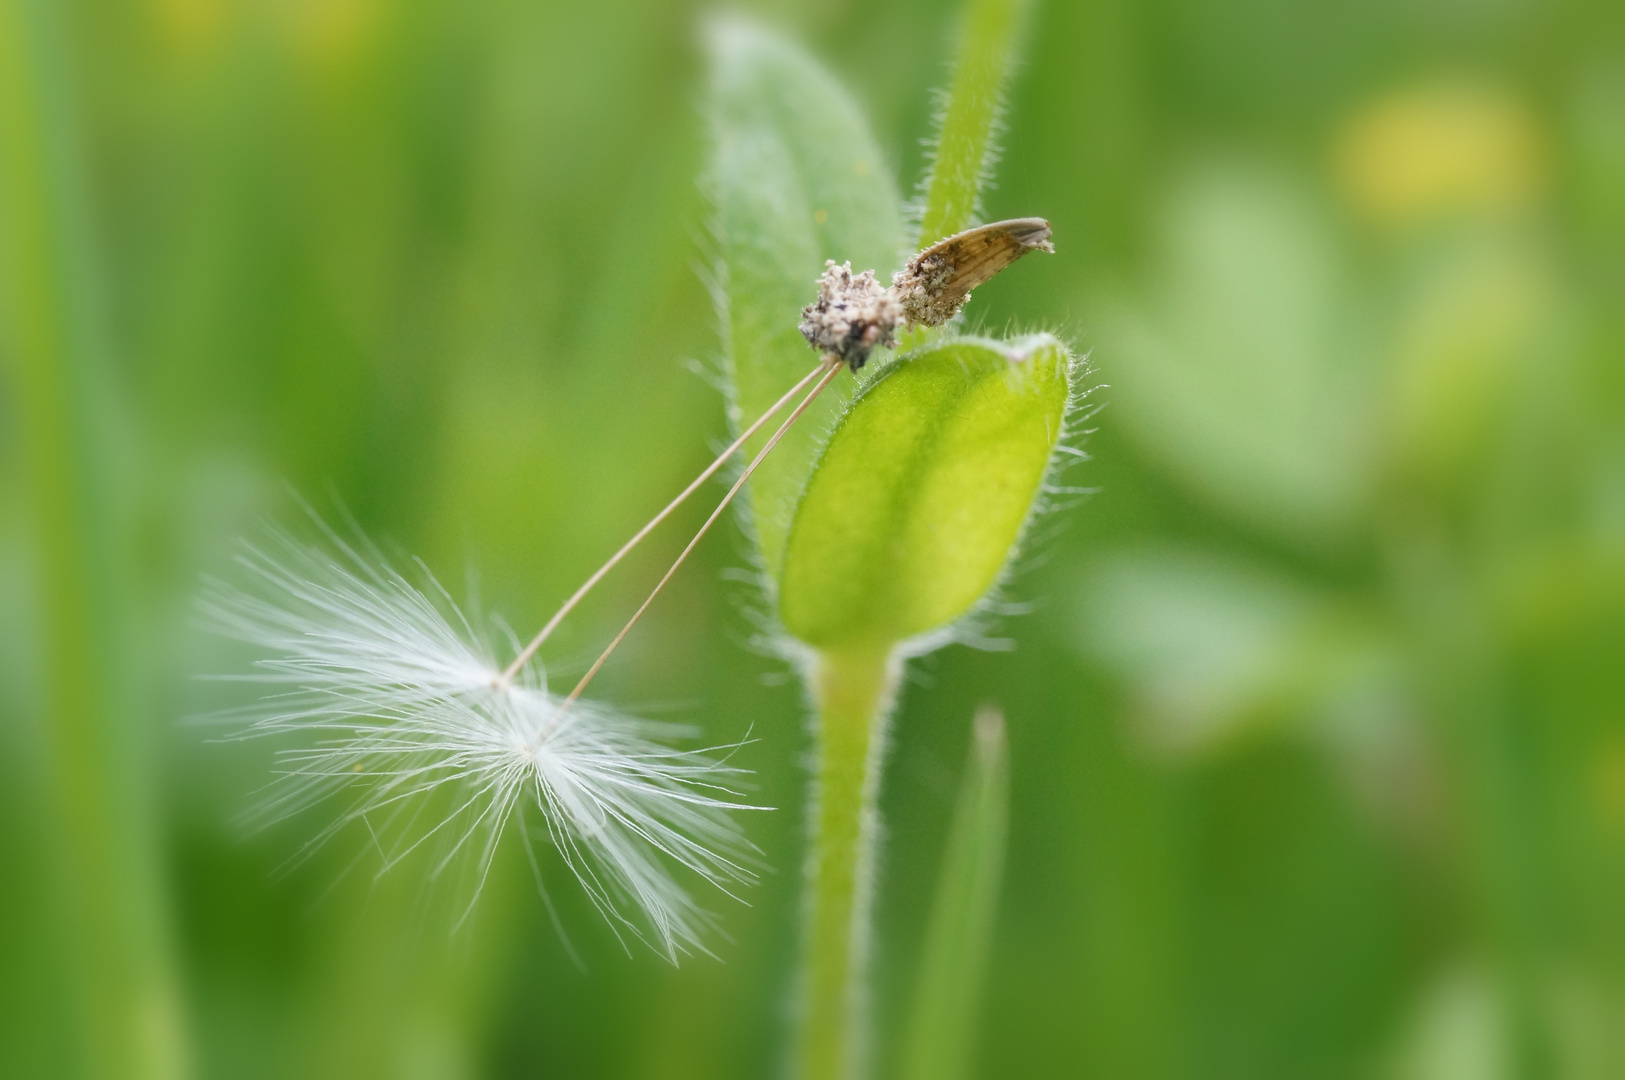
x=854, y=690
x=965, y=147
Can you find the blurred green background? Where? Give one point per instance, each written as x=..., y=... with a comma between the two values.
x=1317, y=722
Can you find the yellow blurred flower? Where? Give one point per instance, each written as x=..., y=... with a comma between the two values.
x=191, y=26
x=324, y=34
x=330, y=33
x=1448, y=145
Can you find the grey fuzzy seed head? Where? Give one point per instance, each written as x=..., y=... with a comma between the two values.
x=853, y=315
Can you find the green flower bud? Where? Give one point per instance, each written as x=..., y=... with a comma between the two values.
x=922, y=491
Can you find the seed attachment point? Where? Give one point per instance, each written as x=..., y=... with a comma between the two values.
x=854, y=314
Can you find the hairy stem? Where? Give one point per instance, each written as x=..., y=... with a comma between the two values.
x=965, y=148
x=854, y=690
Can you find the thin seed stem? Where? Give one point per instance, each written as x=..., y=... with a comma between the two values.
x=834, y=367
x=710, y=470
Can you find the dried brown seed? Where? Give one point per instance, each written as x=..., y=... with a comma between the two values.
x=935, y=284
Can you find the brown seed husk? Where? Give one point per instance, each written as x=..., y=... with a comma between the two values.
x=935, y=284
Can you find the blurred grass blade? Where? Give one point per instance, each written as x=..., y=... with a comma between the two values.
x=797, y=178
x=965, y=149
x=940, y=1039
x=923, y=491
x=98, y=818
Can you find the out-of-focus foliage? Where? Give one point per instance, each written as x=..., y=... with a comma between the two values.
x=1316, y=731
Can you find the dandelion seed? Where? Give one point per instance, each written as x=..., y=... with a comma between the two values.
x=409, y=710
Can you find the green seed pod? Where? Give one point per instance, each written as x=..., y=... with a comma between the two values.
x=922, y=491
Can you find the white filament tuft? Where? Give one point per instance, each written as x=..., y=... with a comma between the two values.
x=398, y=702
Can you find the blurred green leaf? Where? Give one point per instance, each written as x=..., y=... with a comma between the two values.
x=797, y=178
x=1203, y=641
x=1468, y=352
x=1458, y=1030
x=921, y=494
x=1241, y=373
x=1212, y=646
x=942, y=1026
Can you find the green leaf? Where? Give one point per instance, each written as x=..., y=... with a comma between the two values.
x=922, y=492
x=1215, y=648
x=939, y=1042
x=797, y=178
x=965, y=150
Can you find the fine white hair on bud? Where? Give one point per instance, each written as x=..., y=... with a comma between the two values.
x=400, y=707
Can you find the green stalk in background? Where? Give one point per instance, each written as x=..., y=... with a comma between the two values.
x=965, y=149
x=941, y=1035
x=966, y=146
x=125, y=1010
